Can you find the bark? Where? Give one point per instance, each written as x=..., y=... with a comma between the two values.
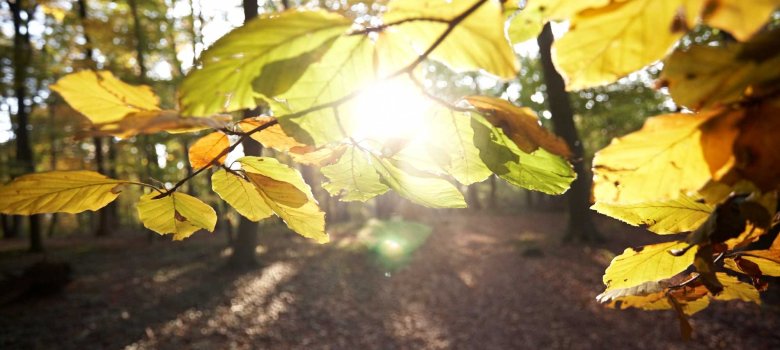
x=140, y=42
x=580, y=226
x=245, y=244
x=21, y=60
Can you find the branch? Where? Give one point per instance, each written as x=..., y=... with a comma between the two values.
x=408, y=69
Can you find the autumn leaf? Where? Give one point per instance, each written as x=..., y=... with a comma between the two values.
x=767, y=261
x=711, y=76
x=740, y=18
x=103, y=98
x=756, y=148
x=271, y=137
x=241, y=194
x=520, y=124
x=528, y=22
x=157, y=121
x=353, y=177
x=645, y=264
x=672, y=216
x=663, y=159
x=480, y=34
x=608, y=42
x=178, y=214
x=283, y=190
x=209, y=150
x=58, y=191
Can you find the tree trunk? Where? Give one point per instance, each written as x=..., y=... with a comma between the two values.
x=580, y=225
x=21, y=59
x=245, y=244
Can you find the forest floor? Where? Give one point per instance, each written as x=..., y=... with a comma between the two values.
x=478, y=282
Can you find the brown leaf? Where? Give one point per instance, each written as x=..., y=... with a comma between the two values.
x=757, y=148
x=520, y=124
x=157, y=121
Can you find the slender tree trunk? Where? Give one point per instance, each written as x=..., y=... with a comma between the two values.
x=21, y=59
x=472, y=192
x=492, y=200
x=245, y=244
x=580, y=225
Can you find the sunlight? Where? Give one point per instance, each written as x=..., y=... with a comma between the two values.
x=391, y=248
x=387, y=111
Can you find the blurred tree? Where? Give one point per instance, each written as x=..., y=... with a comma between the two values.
x=21, y=12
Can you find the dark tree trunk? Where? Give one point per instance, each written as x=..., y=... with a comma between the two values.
x=580, y=225
x=472, y=192
x=21, y=59
x=104, y=215
x=245, y=244
x=492, y=200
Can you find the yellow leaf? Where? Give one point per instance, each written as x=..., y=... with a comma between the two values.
x=768, y=261
x=103, y=98
x=520, y=124
x=662, y=217
x=528, y=22
x=734, y=289
x=177, y=213
x=284, y=191
x=241, y=195
x=158, y=121
x=58, y=191
x=271, y=137
x=658, y=162
x=648, y=263
x=476, y=43
x=739, y=17
x=710, y=76
x=756, y=148
x=606, y=43
x=207, y=148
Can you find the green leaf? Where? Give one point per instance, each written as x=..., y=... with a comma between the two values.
x=538, y=171
x=177, y=213
x=58, y=191
x=354, y=177
x=347, y=67
x=235, y=61
x=662, y=217
x=418, y=187
x=284, y=191
x=241, y=195
x=476, y=43
x=646, y=264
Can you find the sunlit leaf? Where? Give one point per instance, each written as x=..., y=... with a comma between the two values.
x=768, y=261
x=208, y=148
x=528, y=22
x=740, y=18
x=756, y=147
x=520, y=124
x=158, y=121
x=606, y=43
x=424, y=189
x=707, y=76
x=224, y=82
x=648, y=263
x=178, y=213
x=353, y=177
x=284, y=191
x=103, y=98
x=240, y=194
x=658, y=162
x=538, y=171
x=734, y=289
x=271, y=137
x=662, y=217
x=346, y=68
x=476, y=43
x=58, y=191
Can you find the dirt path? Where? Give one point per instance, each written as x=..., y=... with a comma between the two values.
x=478, y=282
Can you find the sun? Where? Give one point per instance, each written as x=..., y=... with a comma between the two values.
x=389, y=110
